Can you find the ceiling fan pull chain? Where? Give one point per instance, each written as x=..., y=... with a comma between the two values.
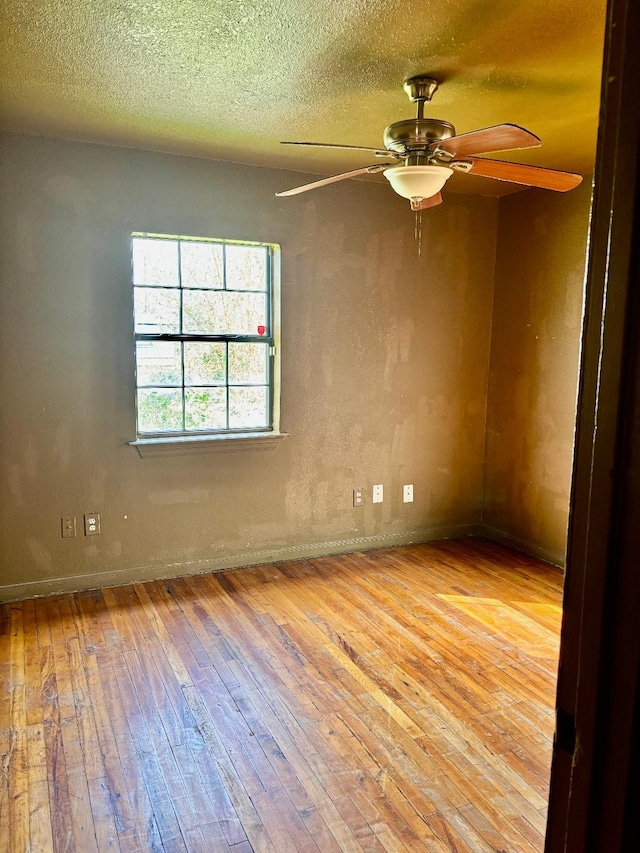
x=418, y=228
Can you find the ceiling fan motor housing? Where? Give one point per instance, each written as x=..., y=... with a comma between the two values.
x=416, y=134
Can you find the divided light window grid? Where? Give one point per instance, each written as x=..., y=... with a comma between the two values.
x=204, y=337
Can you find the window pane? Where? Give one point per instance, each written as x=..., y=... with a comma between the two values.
x=205, y=408
x=202, y=264
x=247, y=407
x=159, y=410
x=248, y=364
x=221, y=313
x=156, y=310
x=155, y=262
x=246, y=268
x=204, y=364
x=158, y=363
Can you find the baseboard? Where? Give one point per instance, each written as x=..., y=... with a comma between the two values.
x=96, y=580
x=553, y=557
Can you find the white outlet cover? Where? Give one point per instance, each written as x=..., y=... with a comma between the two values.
x=378, y=493
x=407, y=493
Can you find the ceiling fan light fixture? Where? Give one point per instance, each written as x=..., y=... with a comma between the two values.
x=418, y=182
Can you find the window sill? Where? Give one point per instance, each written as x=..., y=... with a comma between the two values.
x=187, y=445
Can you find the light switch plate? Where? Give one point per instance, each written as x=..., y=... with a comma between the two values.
x=68, y=525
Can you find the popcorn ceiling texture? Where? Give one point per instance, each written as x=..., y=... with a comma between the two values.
x=228, y=79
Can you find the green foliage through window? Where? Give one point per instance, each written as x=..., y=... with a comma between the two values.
x=203, y=316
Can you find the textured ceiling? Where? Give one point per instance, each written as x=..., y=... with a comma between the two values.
x=228, y=79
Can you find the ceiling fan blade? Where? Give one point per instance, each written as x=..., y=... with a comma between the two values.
x=377, y=167
x=380, y=152
x=530, y=176
x=430, y=202
x=502, y=137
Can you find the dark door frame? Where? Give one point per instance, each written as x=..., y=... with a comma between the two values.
x=597, y=744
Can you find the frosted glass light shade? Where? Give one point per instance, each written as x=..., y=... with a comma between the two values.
x=417, y=181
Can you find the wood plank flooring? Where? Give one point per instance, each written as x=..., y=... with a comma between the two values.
x=394, y=700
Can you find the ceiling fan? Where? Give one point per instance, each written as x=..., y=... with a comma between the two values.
x=426, y=151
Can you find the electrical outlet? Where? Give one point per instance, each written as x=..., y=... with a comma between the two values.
x=91, y=523
x=68, y=525
x=357, y=497
x=377, y=494
x=407, y=493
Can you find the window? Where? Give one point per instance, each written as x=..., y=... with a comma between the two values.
x=205, y=322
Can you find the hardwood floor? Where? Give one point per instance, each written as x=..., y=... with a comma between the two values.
x=392, y=700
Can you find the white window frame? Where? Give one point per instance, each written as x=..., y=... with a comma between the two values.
x=228, y=439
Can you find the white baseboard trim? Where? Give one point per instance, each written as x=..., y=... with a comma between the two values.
x=554, y=557
x=138, y=574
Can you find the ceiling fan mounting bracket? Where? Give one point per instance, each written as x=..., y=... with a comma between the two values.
x=420, y=88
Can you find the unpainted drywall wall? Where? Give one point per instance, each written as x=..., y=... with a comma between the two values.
x=384, y=368
x=538, y=294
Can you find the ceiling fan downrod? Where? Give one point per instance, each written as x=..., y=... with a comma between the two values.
x=420, y=89
x=415, y=136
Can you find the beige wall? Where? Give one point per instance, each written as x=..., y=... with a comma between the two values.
x=385, y=363
x=540, y=262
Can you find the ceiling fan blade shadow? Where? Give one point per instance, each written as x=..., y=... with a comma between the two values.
x=377, y=167
x=430, y=202
x=502, y=137
x=530, y=176
x=381, y=152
